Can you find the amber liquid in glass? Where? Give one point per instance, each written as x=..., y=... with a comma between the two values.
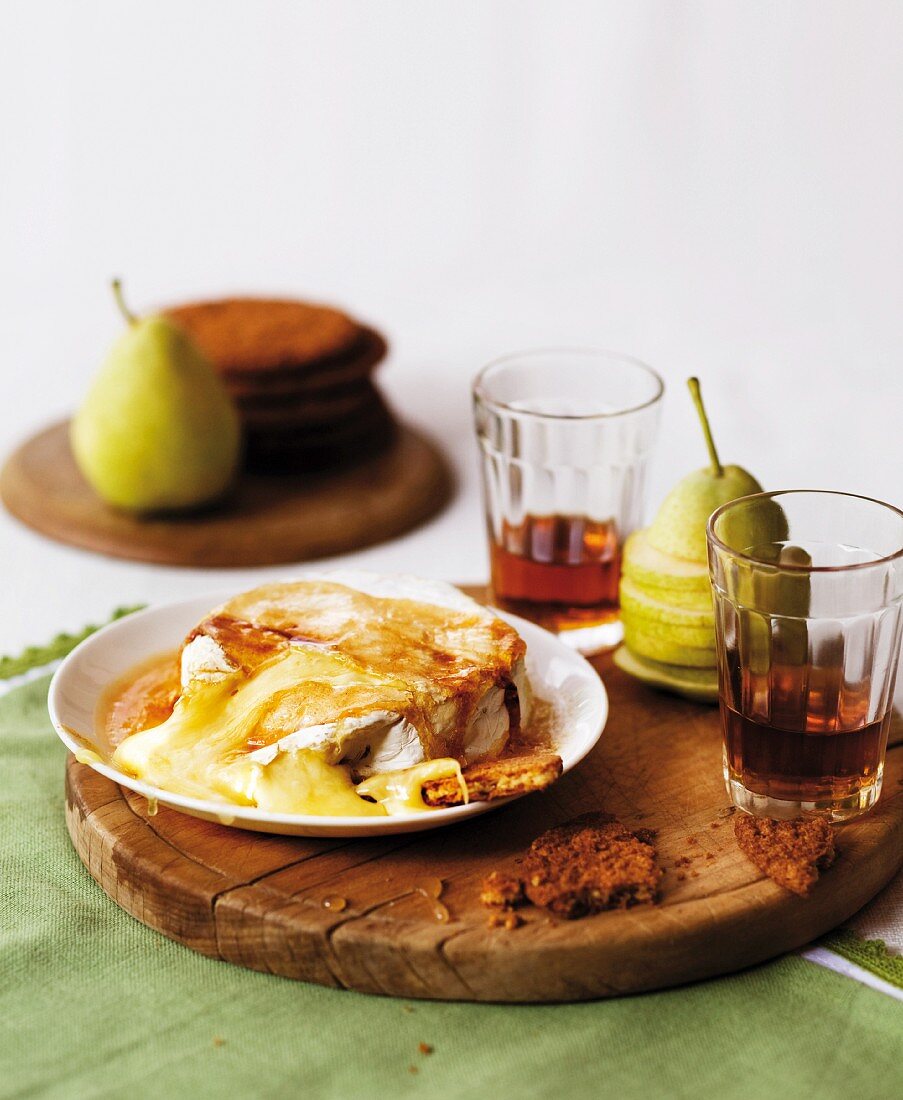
x=805, y=737
x=561, y=571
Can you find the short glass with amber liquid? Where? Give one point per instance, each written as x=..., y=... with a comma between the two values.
x=564, y=437
x=808, y=590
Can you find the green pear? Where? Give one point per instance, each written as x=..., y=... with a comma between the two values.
x=679, y=528
x=698, y=684
x=693, y=637
x=681, y=601
x=772, y=605
x=650, y=568
x=651, y=643
x=666, y=598
x=157, y=430
x=756, y=527
x=639, y=603
x=688, y=608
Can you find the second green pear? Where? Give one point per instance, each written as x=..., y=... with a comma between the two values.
x=157, y=430
x=680, y=525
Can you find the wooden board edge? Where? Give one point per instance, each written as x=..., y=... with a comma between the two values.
x=451, y=963
x=430, y=496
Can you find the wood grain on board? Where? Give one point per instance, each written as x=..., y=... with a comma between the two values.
x=258, y=901
x=265, y=520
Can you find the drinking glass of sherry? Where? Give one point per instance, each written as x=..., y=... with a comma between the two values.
x=565, y=435
x=808, y=590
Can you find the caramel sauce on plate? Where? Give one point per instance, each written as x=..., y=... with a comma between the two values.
x=143, y=697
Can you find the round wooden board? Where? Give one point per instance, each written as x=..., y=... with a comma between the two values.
x=257, y=900
x=266, y=520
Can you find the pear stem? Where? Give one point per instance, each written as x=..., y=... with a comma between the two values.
x=696, y=394
x=120, y=301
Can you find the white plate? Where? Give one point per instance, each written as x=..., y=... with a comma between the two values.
x=556, y=672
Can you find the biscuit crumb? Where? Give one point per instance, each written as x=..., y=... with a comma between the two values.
x=589, y=864
x=790, y=853
x=502, y=889
x=507, y=919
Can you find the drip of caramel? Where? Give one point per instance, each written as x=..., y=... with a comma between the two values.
x=431, y=888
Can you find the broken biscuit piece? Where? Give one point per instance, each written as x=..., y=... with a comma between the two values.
x=509, y=920
x=502, y=890
x=589, y=864
x=790, y=853
x=495, y=779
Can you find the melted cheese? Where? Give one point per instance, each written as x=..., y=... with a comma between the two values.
x=402, y=792
x=302, y=782
x=88, y=756
x=288, y=690
x=214, y=726
x=206, y=748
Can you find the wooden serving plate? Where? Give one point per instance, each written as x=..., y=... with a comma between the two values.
x=257, y=901
x=265, y=521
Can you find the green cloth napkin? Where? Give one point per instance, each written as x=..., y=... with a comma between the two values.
x=94, y=1004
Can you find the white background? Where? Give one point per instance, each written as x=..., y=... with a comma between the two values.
x=713, y=187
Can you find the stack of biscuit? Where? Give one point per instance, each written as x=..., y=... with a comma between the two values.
x=300, y=376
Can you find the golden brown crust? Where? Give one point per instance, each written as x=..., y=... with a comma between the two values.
x=492, y=779
x=247, y=645
x=790, y=853
x=417, y=656
x=589, y=864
